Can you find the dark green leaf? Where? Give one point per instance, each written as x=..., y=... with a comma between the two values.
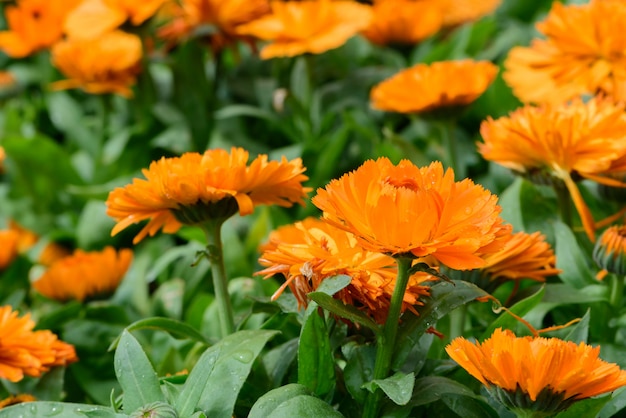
x=571, y=259
x=196, y=383
x=316, y=365
x=345, y=311
x=469, y=407
x=267, y=403
x=359, y=369
x=521, y=308
x=432, y=388
x=304, y=406
x=398, y=387
x=174, y=327
x=332, y=285
x=585, y=408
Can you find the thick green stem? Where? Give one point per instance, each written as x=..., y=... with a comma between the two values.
x=617, y=290
x=386, y=341
x=565, y=203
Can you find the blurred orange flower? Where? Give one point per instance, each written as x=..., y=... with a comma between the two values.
x=27, y=352
x=581, y=55
x=196, y=187
x=52, y=252
x=406, y=210
x=457, y=12
x=309, y=26
x=311, y=251
x=34, y=25
x=425, y=87
x=418, y=20
x=563, y=142
x=610, y=251
x=107, y=64
x=543, y=369
x=16, y=399
x=84, y=275
x=3, y=156
x=13, y=241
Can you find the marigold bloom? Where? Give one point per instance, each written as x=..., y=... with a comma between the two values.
x=107, y=64
x=406, y=210
x=27, y=352
x=565, y=141
x=209, y=185
x=425, y=87
x=537, y=365
x=312, y=26
x=610, y=250
x=310, y=251
x=581, y=55
x=418, y=21
x=84, y=275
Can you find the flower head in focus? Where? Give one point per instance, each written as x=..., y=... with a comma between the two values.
x=194, y=188
x=610, y=250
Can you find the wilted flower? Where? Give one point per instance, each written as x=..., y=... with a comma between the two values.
x=610, y=250
x=425, y=87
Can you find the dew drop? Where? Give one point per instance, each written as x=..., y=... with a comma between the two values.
x=244, y=356
x=33, y=408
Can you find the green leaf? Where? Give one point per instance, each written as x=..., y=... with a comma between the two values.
x=304, y=406
x=175, y=328
x=585, y=408
x=469, y=407
x=571, y=259
x=338, y=308
x=316, y=365
x=48, y=409
x=398, y=387
x=359, y=368
x=334, y=284
x=521, y=308
x=267, y=403
x=431, y=388
x=579, y=332
x=300, y=83
x=196, y=382
x=558, y=294
x=100, y=413
x=138, y=379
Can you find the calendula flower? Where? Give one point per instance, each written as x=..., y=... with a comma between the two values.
x=581, y=55
x=13, y=241
x=52, y=252
x=610, y=250
x=457, y=12
x=425, y=87
x=311, y=251
x=33, y=25
x=27, y=352
x=563, y=142
x=418, y=20
x=403, y=210
x=541, y=374
x=84, y=275
x=310, y=26
x=107, y=64
x=194, y=188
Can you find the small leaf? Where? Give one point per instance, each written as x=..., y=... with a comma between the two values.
x=175, y=328
x=585, y=408
x=61, y=409
x=316, y=365
x=398, y=387
x=332, y=285
x=196, y=382
x=345, y=311
x=571, y=258
x=431, y=388
x=304, y=406
x=267, y=403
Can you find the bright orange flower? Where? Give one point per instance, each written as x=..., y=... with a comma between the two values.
x=311, y=251
x=27, y=352
x=13, y=241
x=52, y=252
x=610, y=250
x=457, y=12
x=566, y=141
x=107, y=64
x=310, y=26
x=418, y=21
x=84, y=275
x=34, y=25
x=205, y=186
x=406, y=210
x=543, y=369
x=26, y=237
x=582, y=54
x=425, y=87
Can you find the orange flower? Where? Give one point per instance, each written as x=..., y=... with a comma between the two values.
x=3, y=156
x=14, y=241
x=566, y=141
x=425, y=87
x=107, y=64
x=546, y=370
x=417, y=21
x=581, y=55
x=16, y=399
x=27, y=352
x=52, y=252
x=312, y=26
x=196, y=187
x=84, y=275
x=311, y=251
x=406, y=210
x=457, y=12
x=610, y=250
x=34, y=25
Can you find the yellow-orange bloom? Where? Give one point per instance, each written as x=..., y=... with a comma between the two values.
x=34, y=25
x=537, y=365
x=13, y=241
x=84, y=275
x=610, y=250
x=457, y=12
x=417, y=21
x=406, y=210
x=425, y=87
x=565, y=141
x=583, y=53
x=311, y=251
x=210, y=185
x=107, y=64
x=27, y=352
x=310, y=26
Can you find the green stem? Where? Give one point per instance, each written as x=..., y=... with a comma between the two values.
x=616, y=285
x=447, y=128
x=386, y=341
x=565, y=203
x=457, y=321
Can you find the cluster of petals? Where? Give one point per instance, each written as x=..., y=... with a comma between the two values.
x=27, y=352
x=191, y=179
x=404, y=210
x=536, y=363
x=310, y=251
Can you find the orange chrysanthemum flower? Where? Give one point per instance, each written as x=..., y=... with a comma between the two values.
x=418, y=21
x=84, y=275
x=27, y=352
x=406, y=210
x=567, y=141
x=107, y=64
x=196, y=187
x=310, y=26
x=610, y=251
x=34, y=25
x=580, y=55
x=549, y=371
x=425, y=87
x=312, y=250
